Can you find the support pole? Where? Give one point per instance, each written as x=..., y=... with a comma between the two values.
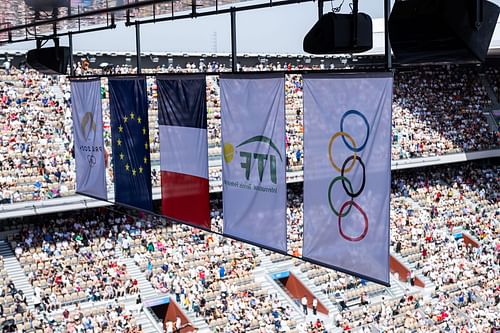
x=70, y=42
x=233, y=40
x=388, y=56
x=193, y=8
x=138, y=46
x=355, y=23
x=320, y=8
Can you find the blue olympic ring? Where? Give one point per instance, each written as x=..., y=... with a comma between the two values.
x=355, y=112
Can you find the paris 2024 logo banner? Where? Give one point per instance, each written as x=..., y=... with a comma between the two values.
x=88, y=138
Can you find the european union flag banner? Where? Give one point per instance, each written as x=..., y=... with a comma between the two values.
x=347, y=172
x=254, y=159
x=128, y=105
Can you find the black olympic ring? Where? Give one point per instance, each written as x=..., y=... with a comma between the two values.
x=330, y=194
x=353, y=195
x=365, y=228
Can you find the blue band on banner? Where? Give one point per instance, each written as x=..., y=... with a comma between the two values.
x=280, y=275
x=157, y=301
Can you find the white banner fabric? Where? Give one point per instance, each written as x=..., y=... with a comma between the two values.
x=254, y=159
x=347, y=172
x=88, y=138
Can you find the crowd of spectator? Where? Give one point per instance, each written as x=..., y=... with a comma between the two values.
x=110, y=317
x=493, y=75
x=79, y=259
x=35, y=118
x=427, y=206
x=430, y=210
x=72, y=260
x=206, y=274
x=436, y=110
x=210, y=276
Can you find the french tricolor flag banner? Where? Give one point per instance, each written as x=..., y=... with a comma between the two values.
x=184, y=149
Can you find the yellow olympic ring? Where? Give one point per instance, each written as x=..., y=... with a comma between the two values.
x=330, y=151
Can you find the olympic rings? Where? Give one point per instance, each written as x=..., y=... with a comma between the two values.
x=332, y=139
x=344, y=170
x=353, y=195
x=330, y=193
x=365, y=227
x=353, y=147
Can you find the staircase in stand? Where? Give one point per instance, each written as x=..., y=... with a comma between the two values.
x=495, y=104
x=489, y=90
x=322, y=297
x=429, y=285
x=149, y=293
x=146, y=289
x=16, y=273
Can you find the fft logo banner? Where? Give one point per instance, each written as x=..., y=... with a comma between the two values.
x=253, y=170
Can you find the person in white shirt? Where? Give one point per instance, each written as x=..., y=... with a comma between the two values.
x=315, y=305
x=169, y=327
x=178, y=324
x=304, y=304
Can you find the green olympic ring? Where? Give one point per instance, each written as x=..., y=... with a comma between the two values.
x=336, y=179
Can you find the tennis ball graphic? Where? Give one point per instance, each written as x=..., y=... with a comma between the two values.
x=228, y=152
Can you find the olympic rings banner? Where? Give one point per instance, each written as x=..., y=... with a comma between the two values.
x=347, y=172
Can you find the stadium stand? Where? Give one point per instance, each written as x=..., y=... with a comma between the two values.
x=37, y=139
x=84, y=270
x=75, y=260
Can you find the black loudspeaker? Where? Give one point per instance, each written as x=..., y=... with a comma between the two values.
x=442, y=30
x=339, y=33
x=49, y=60
x=46, y=5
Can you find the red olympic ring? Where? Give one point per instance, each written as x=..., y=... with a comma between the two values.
x=351, y=203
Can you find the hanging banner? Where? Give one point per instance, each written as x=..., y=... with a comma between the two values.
x=347, y=172
x=128, y=105
x=182, y=112
x=254, y=159
x=88, y=138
